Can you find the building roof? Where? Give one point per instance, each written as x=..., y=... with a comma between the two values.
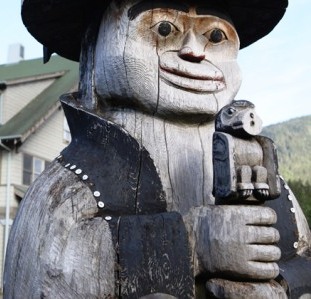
x=35, y=67
x=29, y=119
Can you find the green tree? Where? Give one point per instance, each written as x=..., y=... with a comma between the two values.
x=302, y=191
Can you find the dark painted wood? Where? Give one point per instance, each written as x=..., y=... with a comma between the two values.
x=116, y=165
x=154, y=256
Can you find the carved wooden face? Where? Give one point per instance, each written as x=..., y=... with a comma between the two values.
x=168, y=61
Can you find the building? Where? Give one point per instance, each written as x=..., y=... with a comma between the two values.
x=33, y=129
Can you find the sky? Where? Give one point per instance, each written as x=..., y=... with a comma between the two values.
x=276, y=70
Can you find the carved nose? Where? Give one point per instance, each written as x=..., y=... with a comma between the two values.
x=187, y=53
x=191, y=49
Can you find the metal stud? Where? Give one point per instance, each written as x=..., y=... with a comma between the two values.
x=67, y=165
x=78, y=171
x=100, y=204
x=286, y=187
x=73, y=167
x=292, y=210
x=290, y=197
x=85, y=177
x=96, y=193
x=108, y=218
x=59, y=157
x=296, y=245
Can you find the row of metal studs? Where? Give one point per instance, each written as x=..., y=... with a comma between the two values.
x=290, y=198
x=101, y=204
x=85, y=178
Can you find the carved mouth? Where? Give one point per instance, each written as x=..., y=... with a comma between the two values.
x=192, y=82
x=200, y=77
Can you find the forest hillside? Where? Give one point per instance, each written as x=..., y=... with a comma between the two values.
x=293, y=141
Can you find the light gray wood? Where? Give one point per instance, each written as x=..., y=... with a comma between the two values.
x=236, y=240
x=59, y=248
x=221, y=288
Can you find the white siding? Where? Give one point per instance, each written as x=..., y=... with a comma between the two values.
x=18, y=96
x=15, y=169
x=13, y=201
x=47, y=142
x=4, y=167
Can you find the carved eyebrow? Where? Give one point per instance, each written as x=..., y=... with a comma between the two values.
x=145, y=5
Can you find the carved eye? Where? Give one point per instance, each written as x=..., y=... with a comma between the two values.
x=231, y=111
x=164, y=28
x=217, y=36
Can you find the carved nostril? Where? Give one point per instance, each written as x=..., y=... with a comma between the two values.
x=188, y=54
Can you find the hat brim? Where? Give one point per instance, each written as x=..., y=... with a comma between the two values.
x=61, y=24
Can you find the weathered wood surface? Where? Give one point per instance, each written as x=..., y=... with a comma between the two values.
x=161, y=73
x=220, y=288
x=60, y=249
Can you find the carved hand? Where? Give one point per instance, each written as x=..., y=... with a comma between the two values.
x=237, y=241
x=220, y=288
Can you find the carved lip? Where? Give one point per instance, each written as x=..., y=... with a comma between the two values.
x=201, y=77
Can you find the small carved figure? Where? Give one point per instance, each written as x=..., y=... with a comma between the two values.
x=245, y=164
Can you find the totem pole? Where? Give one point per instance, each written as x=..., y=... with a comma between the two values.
x=128, y=208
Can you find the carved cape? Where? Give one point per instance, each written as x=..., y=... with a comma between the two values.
x=98, y=215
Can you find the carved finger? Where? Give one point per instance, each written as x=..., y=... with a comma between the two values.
x=260, y=270
x=220, y=288
x=262, y=216
x=264, y=253
x=158, y=296
x=262, y=235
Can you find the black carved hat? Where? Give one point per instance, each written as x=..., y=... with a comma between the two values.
x=60, y=24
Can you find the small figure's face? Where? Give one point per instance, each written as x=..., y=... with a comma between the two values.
x=239, y=119
x=172, y=61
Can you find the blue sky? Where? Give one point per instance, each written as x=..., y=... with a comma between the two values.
x=276, y=70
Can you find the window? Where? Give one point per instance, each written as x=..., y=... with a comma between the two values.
x=32, y=167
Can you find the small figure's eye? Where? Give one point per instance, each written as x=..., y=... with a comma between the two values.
x=231, y=111
x=217, y=36
x=164, y=28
